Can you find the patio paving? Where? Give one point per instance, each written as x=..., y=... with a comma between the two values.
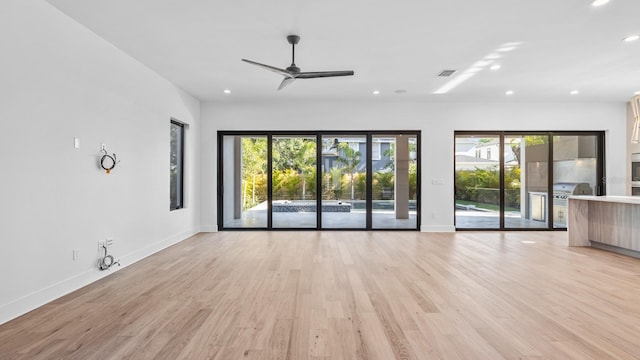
x=257, y=218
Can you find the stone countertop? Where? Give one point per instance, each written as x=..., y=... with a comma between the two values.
x=612, y=199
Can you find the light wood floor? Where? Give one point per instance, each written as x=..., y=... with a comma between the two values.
x=348, y=295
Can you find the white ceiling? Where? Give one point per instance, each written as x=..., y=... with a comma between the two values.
x=402, y=44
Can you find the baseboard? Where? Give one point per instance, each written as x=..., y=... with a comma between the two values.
x=209, y=228
x=616, y=249
x=437, y=228
x=155, y=247
x=27, y=303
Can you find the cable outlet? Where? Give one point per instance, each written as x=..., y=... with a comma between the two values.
x=101, y=244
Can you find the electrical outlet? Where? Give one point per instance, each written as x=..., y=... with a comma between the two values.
x=109, y=242
x=75, y=255
x=101, y=244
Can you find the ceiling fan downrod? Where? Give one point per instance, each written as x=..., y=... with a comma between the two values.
x=293, y=40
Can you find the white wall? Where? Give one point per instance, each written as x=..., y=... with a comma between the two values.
x=437, y=121
x=58, y=81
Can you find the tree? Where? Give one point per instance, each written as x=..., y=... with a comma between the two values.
x=390, y=153
x=350, y=159
x=297, y=154
x=254, y=168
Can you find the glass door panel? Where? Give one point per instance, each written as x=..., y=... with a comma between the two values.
x=526, y=181
x=294, y=182
x=344, y=182
x=575, y=171
x=394, y=185
x=244, y=181
x=477, y=181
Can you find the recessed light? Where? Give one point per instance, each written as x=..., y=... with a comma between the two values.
x=631, y=38
x=227, y=91
x=495, y=67
x=599, y=2
x=400, y=91
x=574, y=92
x=376, y=92
x=509, y=92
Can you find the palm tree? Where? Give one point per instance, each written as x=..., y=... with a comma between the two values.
x=350, y=159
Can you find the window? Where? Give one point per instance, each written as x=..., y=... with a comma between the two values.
x=478, y=153
x=176, y=167
x=375, y=151
x=528, y=177
x=286, y=180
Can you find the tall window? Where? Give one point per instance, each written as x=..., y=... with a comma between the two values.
x=176, y=167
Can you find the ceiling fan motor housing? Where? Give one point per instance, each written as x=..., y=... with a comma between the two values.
x=293, y=39
x=294, y=69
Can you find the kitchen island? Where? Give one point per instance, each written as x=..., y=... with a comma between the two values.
x=606, y=222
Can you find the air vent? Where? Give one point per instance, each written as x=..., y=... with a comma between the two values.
x=446, y=73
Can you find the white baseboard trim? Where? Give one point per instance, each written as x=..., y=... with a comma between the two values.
x=209, y=228
x=437, y=228
x=34, y=300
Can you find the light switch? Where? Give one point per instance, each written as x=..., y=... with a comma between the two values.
x=437, y=181
x=76, y=143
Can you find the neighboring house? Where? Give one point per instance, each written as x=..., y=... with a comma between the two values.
x=466, y=162
x=488, y=150
x=381, y=155
x=471, y=154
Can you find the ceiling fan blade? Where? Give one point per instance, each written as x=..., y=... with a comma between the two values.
x=286, y=82
x=320, y=74
x=276, y=70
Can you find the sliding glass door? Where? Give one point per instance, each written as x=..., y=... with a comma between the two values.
x=526, y=180
x=521, y=180
x=575, y=171
x=394, y=195
x=477, y=181
x=344, y=181
x=316, y=180
x=244, y=185
x=293, y=181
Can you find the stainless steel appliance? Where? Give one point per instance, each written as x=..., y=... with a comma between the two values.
x=538, y=206
x=561, y=192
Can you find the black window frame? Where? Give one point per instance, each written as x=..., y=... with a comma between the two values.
x=179, y=201
x=600, y=189
x=269, y=134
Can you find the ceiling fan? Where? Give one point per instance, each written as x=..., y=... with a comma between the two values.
x=293, y=72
